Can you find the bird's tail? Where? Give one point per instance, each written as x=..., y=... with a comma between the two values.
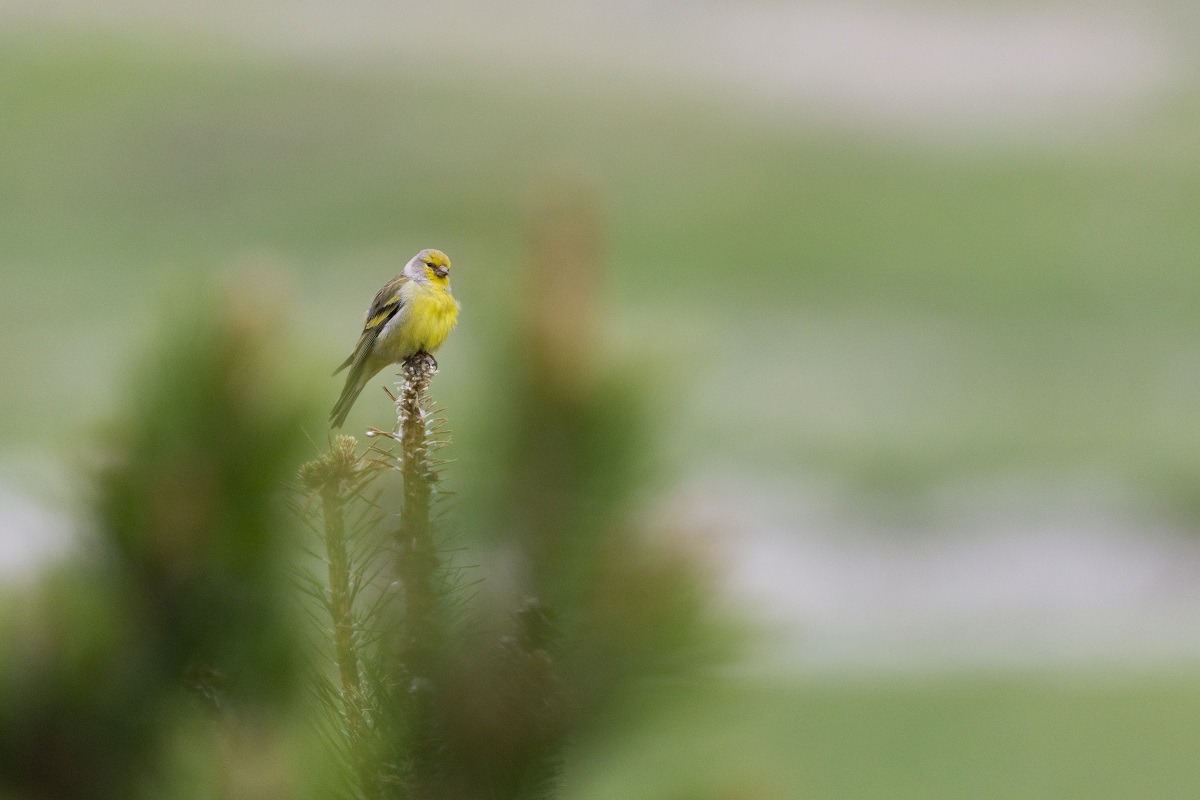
x=355, y=382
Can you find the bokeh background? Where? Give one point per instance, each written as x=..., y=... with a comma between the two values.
x=911, y=287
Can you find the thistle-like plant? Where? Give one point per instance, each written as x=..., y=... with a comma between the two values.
x=340, y=482
x=381, y=592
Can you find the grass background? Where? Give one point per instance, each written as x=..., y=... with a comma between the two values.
x=893, y=313
x=984, y=737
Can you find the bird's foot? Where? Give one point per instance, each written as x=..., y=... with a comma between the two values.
x=421, y=362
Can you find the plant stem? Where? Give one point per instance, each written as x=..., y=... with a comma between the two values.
x=417, y=562
x=330, y=476
x=340, y=609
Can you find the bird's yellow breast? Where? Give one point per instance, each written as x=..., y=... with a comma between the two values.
x=434, y=313
x=426, y=318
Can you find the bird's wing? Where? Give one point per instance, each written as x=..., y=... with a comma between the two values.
x=386, y=305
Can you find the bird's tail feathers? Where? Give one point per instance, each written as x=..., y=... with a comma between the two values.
x=349, y=360
x=354, y=386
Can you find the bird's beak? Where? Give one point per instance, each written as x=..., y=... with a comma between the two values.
x=441, y=272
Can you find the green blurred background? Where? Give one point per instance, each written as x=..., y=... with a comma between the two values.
x=912, y=286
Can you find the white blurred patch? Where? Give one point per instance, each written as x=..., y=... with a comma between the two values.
x=32, y=534
x=932, y=68
x=981, y=70
x=1036, y=579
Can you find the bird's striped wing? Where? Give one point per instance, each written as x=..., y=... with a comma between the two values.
x=386, y=305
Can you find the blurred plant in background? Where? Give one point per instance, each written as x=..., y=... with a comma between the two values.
x=178, y=612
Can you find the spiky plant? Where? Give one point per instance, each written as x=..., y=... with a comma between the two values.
x=381, y=594
x=339, y=481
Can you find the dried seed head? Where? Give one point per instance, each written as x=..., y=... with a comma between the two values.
x=341, y=463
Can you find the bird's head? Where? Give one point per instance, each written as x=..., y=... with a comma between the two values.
x=430, y=265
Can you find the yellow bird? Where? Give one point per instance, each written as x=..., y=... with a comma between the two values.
x=414, y=312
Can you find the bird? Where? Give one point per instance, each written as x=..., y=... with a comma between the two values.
x=413, y=313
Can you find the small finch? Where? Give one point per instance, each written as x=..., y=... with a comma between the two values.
x=413, y=313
